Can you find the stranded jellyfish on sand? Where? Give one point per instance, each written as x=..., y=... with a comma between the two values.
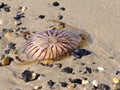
x=53, y=44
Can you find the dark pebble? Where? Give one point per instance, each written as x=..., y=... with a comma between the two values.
x=79, y=53
x=7, y=9
x=78, y=81
x=49, y=65
x=55, y=4
x=19, y=16
x=63, y=84
x=67, y=70
x=103, y=87
x=12, y=45
x=117, y=72
x=42, y=16
x=2, y=5
x=59, y=65
x=50, y=83
x=62, y=8
x=89, y=70
x=27, y=75
x=7, y=51
x=60, y=17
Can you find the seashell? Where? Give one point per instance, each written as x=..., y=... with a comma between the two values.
x=52, y=44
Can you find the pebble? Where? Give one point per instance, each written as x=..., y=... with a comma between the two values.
x=59, y=65
x=22, y=8
x=50, y=83
x=55, y=4
x=116, y=80
x=62, y=8
x=103, y=87
x=100, y=68
x=18, y=22
x=2, y=5
x=60, y=17
x=78, y=81
x=12, y=45
x=1, y=21
x=117, y=72
x=67, y=70
x=7, y=51
x=8, y=35
x=71, y=85
x=6, y=61
x=7, y=8
x=79, y=53
x=41, y=16
x=85, y=82
x=63, y=84
x=29, y=75
x=37, y=87
x=89, y=70
x=19, y=16
x=95, y=83
x=60, y=25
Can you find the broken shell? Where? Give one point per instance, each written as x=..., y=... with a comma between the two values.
x=1, y=21
x=6, y=61
x=95, y=83
x=22, y=8
x=116, y=80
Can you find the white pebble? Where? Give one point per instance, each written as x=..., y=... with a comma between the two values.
x=100, y=68
x=95, y=83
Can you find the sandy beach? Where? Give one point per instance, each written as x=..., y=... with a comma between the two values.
x=99, y=18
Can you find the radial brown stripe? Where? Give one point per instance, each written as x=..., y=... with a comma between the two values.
x=34, y=52
x=31, y=50
x=28, y=48
x=40, y=53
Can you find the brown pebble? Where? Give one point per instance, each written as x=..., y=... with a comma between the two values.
x=71, y=85
x=6, y=61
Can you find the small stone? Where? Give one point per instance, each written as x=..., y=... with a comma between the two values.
x=1, y=21
x=95, y=83
x=78, y=81
x=50, y=83
x=41, y=16
x=85, y=82
x=12, y=45
x=62, y=8
x=63, y=84
x=6, y=61
x=8, y=35
x=7, y=9
x=37, y=87
x=55, y=4
x=2, y=5
x=116, y=80
x=7, y=51
x=60, y=17
x=103, y=87
x=22, y=8
x=71, y=85
x=29, y=75
x=60, y=25
x=67, y=70
x=79, y=53
x=89, y=70
x=18, y=22
x=59, y=65
x=117, y=72
x=100, y=68
x=19, y=16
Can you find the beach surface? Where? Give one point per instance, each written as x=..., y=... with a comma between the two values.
x=100, y=18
